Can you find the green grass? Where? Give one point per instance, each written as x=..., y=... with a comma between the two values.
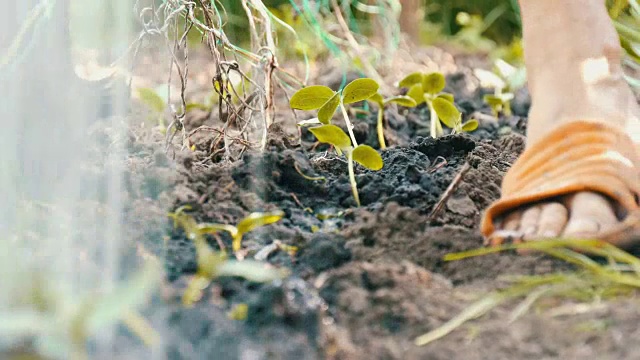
x=591, y=281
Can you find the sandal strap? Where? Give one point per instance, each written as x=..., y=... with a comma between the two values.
x=576, y=156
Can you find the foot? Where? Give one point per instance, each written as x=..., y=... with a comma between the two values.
x=580, y=215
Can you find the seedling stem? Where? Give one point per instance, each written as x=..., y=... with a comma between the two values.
x=348, y=123
x=380, y=128
x=436, y=127
x=352, y=177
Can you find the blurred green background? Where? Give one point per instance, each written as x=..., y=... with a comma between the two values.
x=504, y=15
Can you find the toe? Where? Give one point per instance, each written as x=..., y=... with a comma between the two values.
x=512, y=221
x=553, y=218
x=507, y=230
x=591, y=213
x=529, y=221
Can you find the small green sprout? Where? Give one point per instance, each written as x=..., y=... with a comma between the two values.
x=327, y=101
x=59, y=322
x=405, y=101
x=425, y=88
x=212, y=264
x=155, y=102
x=364, y=155
x=505, y=80
x=452, y=117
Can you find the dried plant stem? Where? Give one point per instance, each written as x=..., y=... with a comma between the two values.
x=354, y=44
x=449, y=191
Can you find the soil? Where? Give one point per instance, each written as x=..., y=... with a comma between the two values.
x=365, y=281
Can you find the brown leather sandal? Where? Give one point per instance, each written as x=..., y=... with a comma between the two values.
x=576, y=156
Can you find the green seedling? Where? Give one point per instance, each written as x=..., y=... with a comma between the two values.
x=452, y=117
x=155, y=103
x=327, y=101
x=425, y=88
x=377, y=99
x=249, y=223
x=505, y=80
x=59, y=323
x=213, y=264
x=364, y=155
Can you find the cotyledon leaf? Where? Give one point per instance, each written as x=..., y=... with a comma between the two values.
x=489, y=79
x=493, y=100
x=359, y=89
x=328, y=109
x=257, y=219
x=416, y=93
x=402, y=100
x=446, y=111
x=378, y=99
x=368, y=157
x=470, y=125
x=253, y=221
x=311, y=97
x=446, y=96
x=433, y=83
x=331, y=134
x=411, y=79
x=151, y=98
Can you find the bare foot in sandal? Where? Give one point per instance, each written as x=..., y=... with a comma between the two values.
x=580, y=174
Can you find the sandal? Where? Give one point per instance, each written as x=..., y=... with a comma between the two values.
x=576, y=156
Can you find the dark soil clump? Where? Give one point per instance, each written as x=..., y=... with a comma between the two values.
x=365, y=281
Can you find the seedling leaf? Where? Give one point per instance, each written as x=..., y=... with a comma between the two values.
x=377, y=98
x=493, y=100
x=518, y=79
x=433, y=83
x=110, y=308
x=194, y=105
x=331, y=134
x=358, y=90
x=193, y=292
x=411, y=79
x=415, y=92
x=505, y=69
x=256, y=220
x=312, y=121
x=489, y=79
x=328, y=109
x=470, y=125
x=405, y=101
x=506, y=97
x=206, y=228
x=446, y=96
x=447, y=112
x=151, y=98
x=368, y=157
x=311, y=97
